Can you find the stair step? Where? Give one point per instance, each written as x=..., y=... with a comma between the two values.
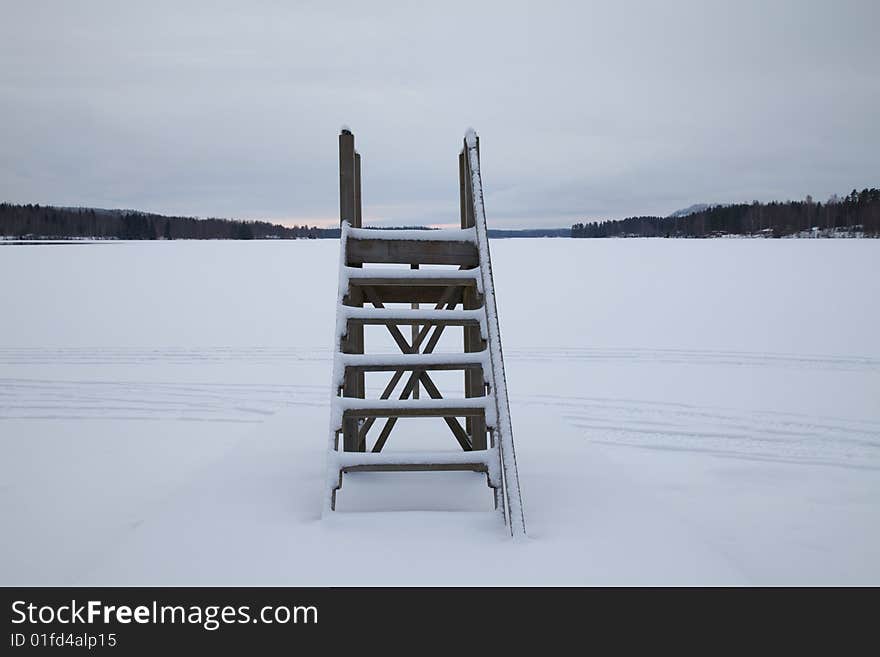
x=484, y=460
x=443, y=235
x=382, y=276
x=414, y=247
x=363, y=408
x=391, y=362
x=382, y=316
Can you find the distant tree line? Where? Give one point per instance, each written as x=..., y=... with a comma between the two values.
x=858, y=212
x=493, y=232
x=43, y=221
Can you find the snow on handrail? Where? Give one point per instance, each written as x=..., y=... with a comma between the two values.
x=516, y=516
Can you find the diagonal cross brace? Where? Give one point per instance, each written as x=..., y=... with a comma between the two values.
x=449, y=299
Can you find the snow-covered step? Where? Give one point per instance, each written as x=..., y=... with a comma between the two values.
x=391, y=362
x=382, y=316
x=443, y=235
x=378, y=276
x=363, y=408
x=425, y=247
x=486, y=460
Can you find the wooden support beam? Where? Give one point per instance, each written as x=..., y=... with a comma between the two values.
x=353, y=382
x=402, y=344
x=415, y=333
x=451, y=421
x=390, y=422
x=414, y=377
x=383, y=435
x=407, y=389
x=365, y=428
x=474, y=385
x=447, y=299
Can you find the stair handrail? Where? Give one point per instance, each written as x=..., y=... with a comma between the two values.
x=474, y=213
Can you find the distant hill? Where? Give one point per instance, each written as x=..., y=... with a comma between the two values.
x=692, y=209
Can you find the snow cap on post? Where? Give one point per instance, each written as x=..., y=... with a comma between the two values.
x=470, y=138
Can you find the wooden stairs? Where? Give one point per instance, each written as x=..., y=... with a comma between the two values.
x=460, y=295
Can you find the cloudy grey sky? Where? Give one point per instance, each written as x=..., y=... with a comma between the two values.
x=585, y=109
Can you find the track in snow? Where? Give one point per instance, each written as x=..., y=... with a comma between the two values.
x=169, y=356
x=729, y=432
x=749, y=434
x=698, y=357
x=42, y=399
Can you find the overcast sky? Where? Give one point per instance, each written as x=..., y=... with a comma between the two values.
x=585, y=109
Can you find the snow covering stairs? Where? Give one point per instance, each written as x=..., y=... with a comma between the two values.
x=485, y=441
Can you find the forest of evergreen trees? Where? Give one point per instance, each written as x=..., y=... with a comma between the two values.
x=43, y=221
x=858, y=212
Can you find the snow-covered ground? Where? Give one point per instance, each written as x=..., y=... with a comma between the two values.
x=701, y=411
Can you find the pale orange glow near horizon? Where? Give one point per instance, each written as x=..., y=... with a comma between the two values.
x=333, y=222
x=289, y=222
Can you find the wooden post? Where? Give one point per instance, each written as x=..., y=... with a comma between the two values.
x=350, y=211
x=353, y=383
x=416, y=329
x=358, y=220
x=473, y=341
x=467, y=213
x=349, y=180
x=474, y=385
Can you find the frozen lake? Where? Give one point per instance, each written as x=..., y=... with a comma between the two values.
x=685, y=411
